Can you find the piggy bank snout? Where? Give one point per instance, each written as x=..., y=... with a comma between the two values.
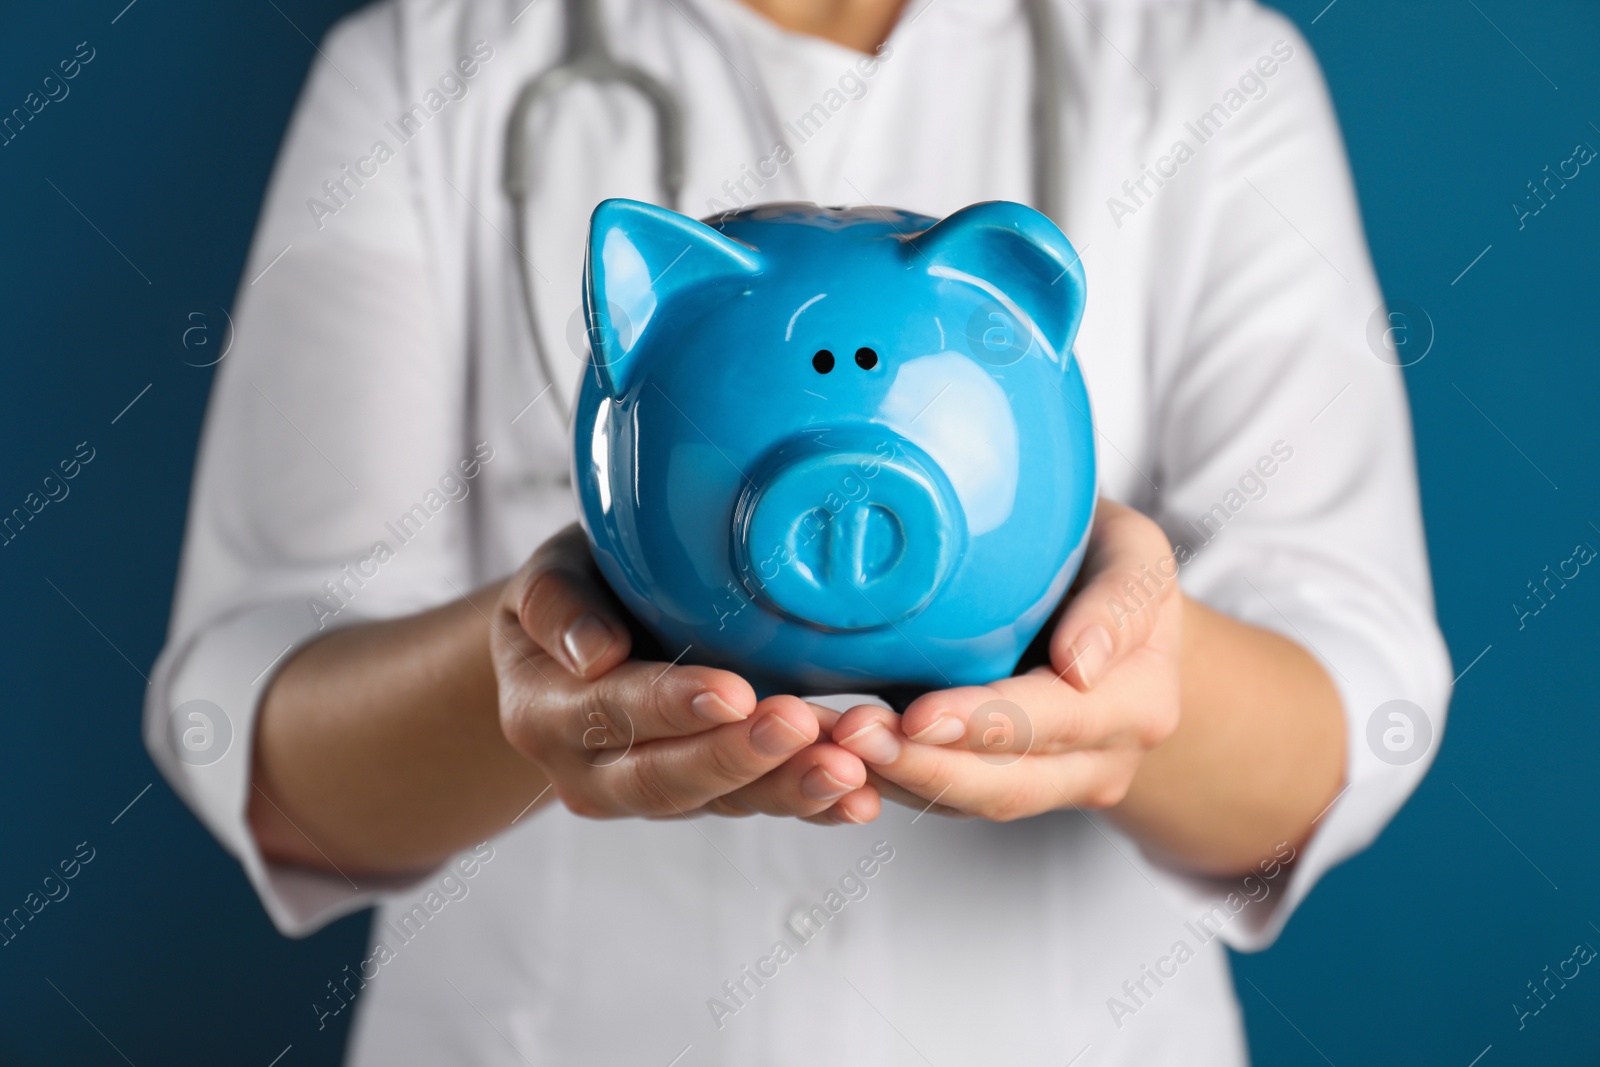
x=847, y=533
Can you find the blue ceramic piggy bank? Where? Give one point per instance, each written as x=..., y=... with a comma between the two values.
x=835, y=449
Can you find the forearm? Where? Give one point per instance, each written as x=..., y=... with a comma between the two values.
x=378, y=748
x=1258, y=754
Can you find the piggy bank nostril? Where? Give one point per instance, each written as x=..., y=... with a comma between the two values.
x=849, y=536
x=883, y=542
x=866, y=358
x=850, y=550
x=822, y=361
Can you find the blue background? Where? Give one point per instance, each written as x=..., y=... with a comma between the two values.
x=1412, y=953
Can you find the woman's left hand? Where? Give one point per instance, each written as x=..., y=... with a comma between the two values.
x=1070, y=735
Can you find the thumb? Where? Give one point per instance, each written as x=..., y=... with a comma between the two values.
x=564, y=606
x=1129, y=572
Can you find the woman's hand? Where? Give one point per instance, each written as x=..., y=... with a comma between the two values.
x=620, y=737
x=1071, y=735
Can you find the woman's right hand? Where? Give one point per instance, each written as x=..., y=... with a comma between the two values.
x=620, y=737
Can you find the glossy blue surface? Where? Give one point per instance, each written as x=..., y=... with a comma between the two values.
x=835, y=449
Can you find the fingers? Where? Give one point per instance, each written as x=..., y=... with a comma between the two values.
x=941, y=717
x=1129, y=571
x=906, y=798
x=815, y=775
x=568, y=726
x=853, y=809
x=951, y=777
x=565, y=607
x=806, y=785
x=677, y=775
x=641, y=701
x=631, y=744
x=621, y=737
x=1027, y=714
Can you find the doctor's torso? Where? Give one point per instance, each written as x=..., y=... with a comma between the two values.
x=752, y=941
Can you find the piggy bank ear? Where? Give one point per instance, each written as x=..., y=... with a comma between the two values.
x=1019, y=257
x=644, y=265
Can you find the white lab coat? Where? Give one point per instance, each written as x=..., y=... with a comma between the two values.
x=382, y=353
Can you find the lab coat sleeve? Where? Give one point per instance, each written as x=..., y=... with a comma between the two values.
x=1286, y=471
x=335, y=426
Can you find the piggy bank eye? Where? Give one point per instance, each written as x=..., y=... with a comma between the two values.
x=866, y=358
x=823, y=361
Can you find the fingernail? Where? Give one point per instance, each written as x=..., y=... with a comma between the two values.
x=774, y=736
x=873, y=743
x=1090, y=654
x=818, y=784
x=942, y=731
x=709, y=707
x=586, y=640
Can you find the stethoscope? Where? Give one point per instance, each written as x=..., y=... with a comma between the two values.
x=585, y=56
